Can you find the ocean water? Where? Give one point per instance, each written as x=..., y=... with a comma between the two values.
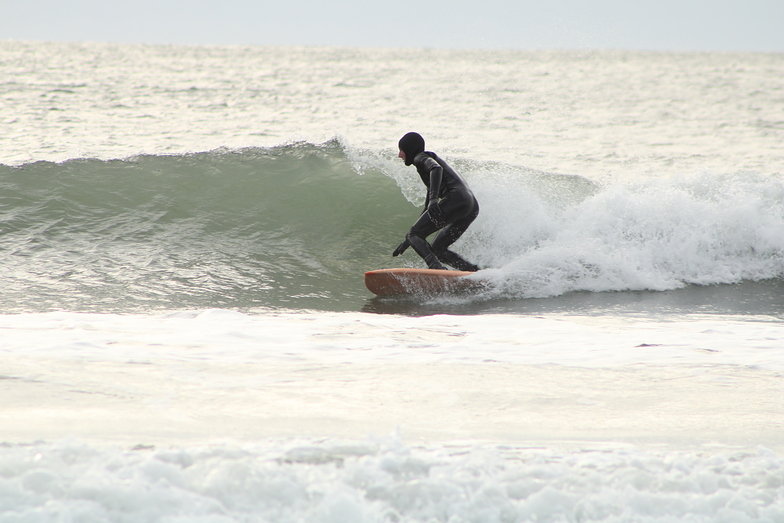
x=185, y=334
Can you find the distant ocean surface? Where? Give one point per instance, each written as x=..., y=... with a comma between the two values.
x=185, y=334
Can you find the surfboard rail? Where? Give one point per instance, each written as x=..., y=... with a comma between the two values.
x=401, y=281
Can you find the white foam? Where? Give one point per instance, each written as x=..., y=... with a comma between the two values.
x=654, y=234
x=384, y=480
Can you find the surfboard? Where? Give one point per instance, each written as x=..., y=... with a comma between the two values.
x=390, y=282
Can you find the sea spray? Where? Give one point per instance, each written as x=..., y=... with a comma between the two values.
x=651, y=234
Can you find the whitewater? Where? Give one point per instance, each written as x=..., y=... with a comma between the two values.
x=185, y=334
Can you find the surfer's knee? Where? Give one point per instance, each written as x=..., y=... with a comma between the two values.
x=414, y=234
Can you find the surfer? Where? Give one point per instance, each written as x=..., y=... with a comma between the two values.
x=450, y=207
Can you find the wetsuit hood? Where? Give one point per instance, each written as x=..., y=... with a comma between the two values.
x=411, y=144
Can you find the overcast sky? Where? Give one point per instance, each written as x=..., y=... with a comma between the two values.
x=679, y=25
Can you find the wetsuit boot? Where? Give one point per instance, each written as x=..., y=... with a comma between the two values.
x=456, y=261
x=433, y=263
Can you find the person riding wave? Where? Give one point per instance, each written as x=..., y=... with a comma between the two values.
x=450, y=207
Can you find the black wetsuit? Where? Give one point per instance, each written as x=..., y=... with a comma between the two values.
x=450, y=207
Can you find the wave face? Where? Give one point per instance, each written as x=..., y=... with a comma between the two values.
x=295, y=226
x=284, y=227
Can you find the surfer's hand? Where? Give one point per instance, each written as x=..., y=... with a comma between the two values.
x=401, y=248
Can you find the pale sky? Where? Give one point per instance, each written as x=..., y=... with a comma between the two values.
x=666, y=25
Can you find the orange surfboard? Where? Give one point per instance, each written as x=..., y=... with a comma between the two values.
x=390, y=282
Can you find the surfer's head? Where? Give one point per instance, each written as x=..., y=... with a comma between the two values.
x=410, y=145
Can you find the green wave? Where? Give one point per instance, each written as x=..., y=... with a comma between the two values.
x=290, y=226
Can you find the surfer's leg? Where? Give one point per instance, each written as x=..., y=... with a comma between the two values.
x=423, y=228
x=449, y=235
x=423, y=249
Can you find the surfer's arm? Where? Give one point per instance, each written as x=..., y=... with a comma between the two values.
x=435, y=177
x=433, y=209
